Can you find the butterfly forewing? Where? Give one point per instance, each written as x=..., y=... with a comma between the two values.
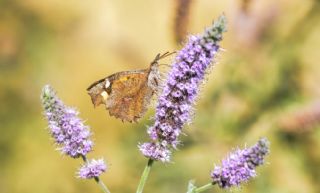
x=125, y=94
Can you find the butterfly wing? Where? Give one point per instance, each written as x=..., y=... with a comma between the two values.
x=125, y=94
x=98, y=92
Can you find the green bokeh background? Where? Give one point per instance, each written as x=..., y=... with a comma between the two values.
x=270, y=68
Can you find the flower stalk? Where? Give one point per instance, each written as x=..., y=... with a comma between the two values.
x=204, y=187
x=103, y=187
x=144, y=176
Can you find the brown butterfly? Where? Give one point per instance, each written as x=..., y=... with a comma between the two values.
x=127, y=94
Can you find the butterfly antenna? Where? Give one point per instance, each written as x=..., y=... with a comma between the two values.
x=166, y=54
x=167, y=65
x=159, y=57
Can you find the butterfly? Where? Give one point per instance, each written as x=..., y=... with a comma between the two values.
x=126, y=95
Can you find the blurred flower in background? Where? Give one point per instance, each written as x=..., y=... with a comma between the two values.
x=252, y=22
x=182, y=15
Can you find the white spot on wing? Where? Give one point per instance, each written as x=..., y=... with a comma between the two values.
x=107, y=83
x=104, y=94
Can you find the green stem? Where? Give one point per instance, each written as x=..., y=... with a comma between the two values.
x=97, y=179
x=205, y=187
x=144, y=176
x=102, y=185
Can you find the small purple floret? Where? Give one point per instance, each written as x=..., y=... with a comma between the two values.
x=92, y=169
x=240, y=166
x=67, y=129
x=155, y=151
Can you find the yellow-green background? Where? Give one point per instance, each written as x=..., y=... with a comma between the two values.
x=270, y=67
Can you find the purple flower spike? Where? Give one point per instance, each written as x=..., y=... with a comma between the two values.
x=67, y=129
x=92, y=169
x=240, y=166
x=181, y=89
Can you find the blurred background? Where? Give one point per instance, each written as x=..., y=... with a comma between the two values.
x=266, y=83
